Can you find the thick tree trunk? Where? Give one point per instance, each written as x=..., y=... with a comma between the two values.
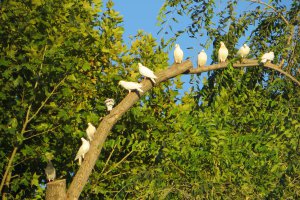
x=56, y=190
x=108, y=122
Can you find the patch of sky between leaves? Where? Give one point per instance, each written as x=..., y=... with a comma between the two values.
x=142, y=15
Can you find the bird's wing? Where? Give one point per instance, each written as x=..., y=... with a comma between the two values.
x=240, y=51
x=134, y=85
x=148, y=72
x=80, y=152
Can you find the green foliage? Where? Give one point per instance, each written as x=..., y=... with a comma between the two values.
x=235, y=137
x=53, y=83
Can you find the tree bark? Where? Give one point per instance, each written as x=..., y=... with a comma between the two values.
x=108, y=122
x=246, y=63
x=56, y=190
x=82, y=175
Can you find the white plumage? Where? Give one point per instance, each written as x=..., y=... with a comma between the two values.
x=178, y=54
x=84, y=148
x=145, y=71
x=109, y=104
x=50, y=171
x=131, y=86
x=90, y=131
x=267, y=57
x=243, y=51
x=202, y=58
x=223, y=53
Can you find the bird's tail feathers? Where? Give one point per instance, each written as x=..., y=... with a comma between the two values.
x=140, y=90
x=77, y=157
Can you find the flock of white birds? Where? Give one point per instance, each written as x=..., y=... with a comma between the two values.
x=148, y=73
x=85, y=146
x=202, y=58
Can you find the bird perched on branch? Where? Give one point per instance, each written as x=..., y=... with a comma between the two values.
x=223, y=53
x=50, y=171
x=146, y=72
x=90, y=131
x=267, y=57
x=178, y=54
x=243, y=51
x=109, y=104
x=84, y=148
x=131, y=86
x=202, y=58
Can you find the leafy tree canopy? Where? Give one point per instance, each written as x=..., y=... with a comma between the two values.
x=234, y=134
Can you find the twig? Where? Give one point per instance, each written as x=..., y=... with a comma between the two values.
x=41, y=67
x=180, y=170
x=112, y=151
x=41, y=133
x=8, y=168
x=46, y=100
x=116, y=165
x=275, y=10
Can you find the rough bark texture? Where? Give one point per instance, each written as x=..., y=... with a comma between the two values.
x=56, y=190
x=81, y=177
x=108, y=122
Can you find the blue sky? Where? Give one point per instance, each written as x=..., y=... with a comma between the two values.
x=142, y=15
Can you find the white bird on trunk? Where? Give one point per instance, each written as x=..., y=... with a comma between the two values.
x=109, y=104
x=84, y=148
x=146, y=72
x=178, y=54
x=267, y=57
x=90, y=131
x=50, y=171
x=131, y=86
x=243, y=51
x=202, y=58
x=223, y=53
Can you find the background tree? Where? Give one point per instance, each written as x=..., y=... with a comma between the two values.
x=237, y=136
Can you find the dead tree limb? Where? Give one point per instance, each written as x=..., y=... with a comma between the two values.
x=108, y=122
x=105, y=126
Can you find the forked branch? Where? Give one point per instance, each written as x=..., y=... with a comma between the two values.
x=82, y=175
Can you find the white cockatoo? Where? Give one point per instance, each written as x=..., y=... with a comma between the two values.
x=243, y=51
x=131, y=86
x=146, y=72
x=202, y=58
x=50, y=171
x=109, y=104
x=90, y=131
x=267, y=57
x=223, y=53
x=178, y=54
x=84, y=148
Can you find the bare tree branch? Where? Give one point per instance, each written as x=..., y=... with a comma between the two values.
x=82, y=175
x=247, y=63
